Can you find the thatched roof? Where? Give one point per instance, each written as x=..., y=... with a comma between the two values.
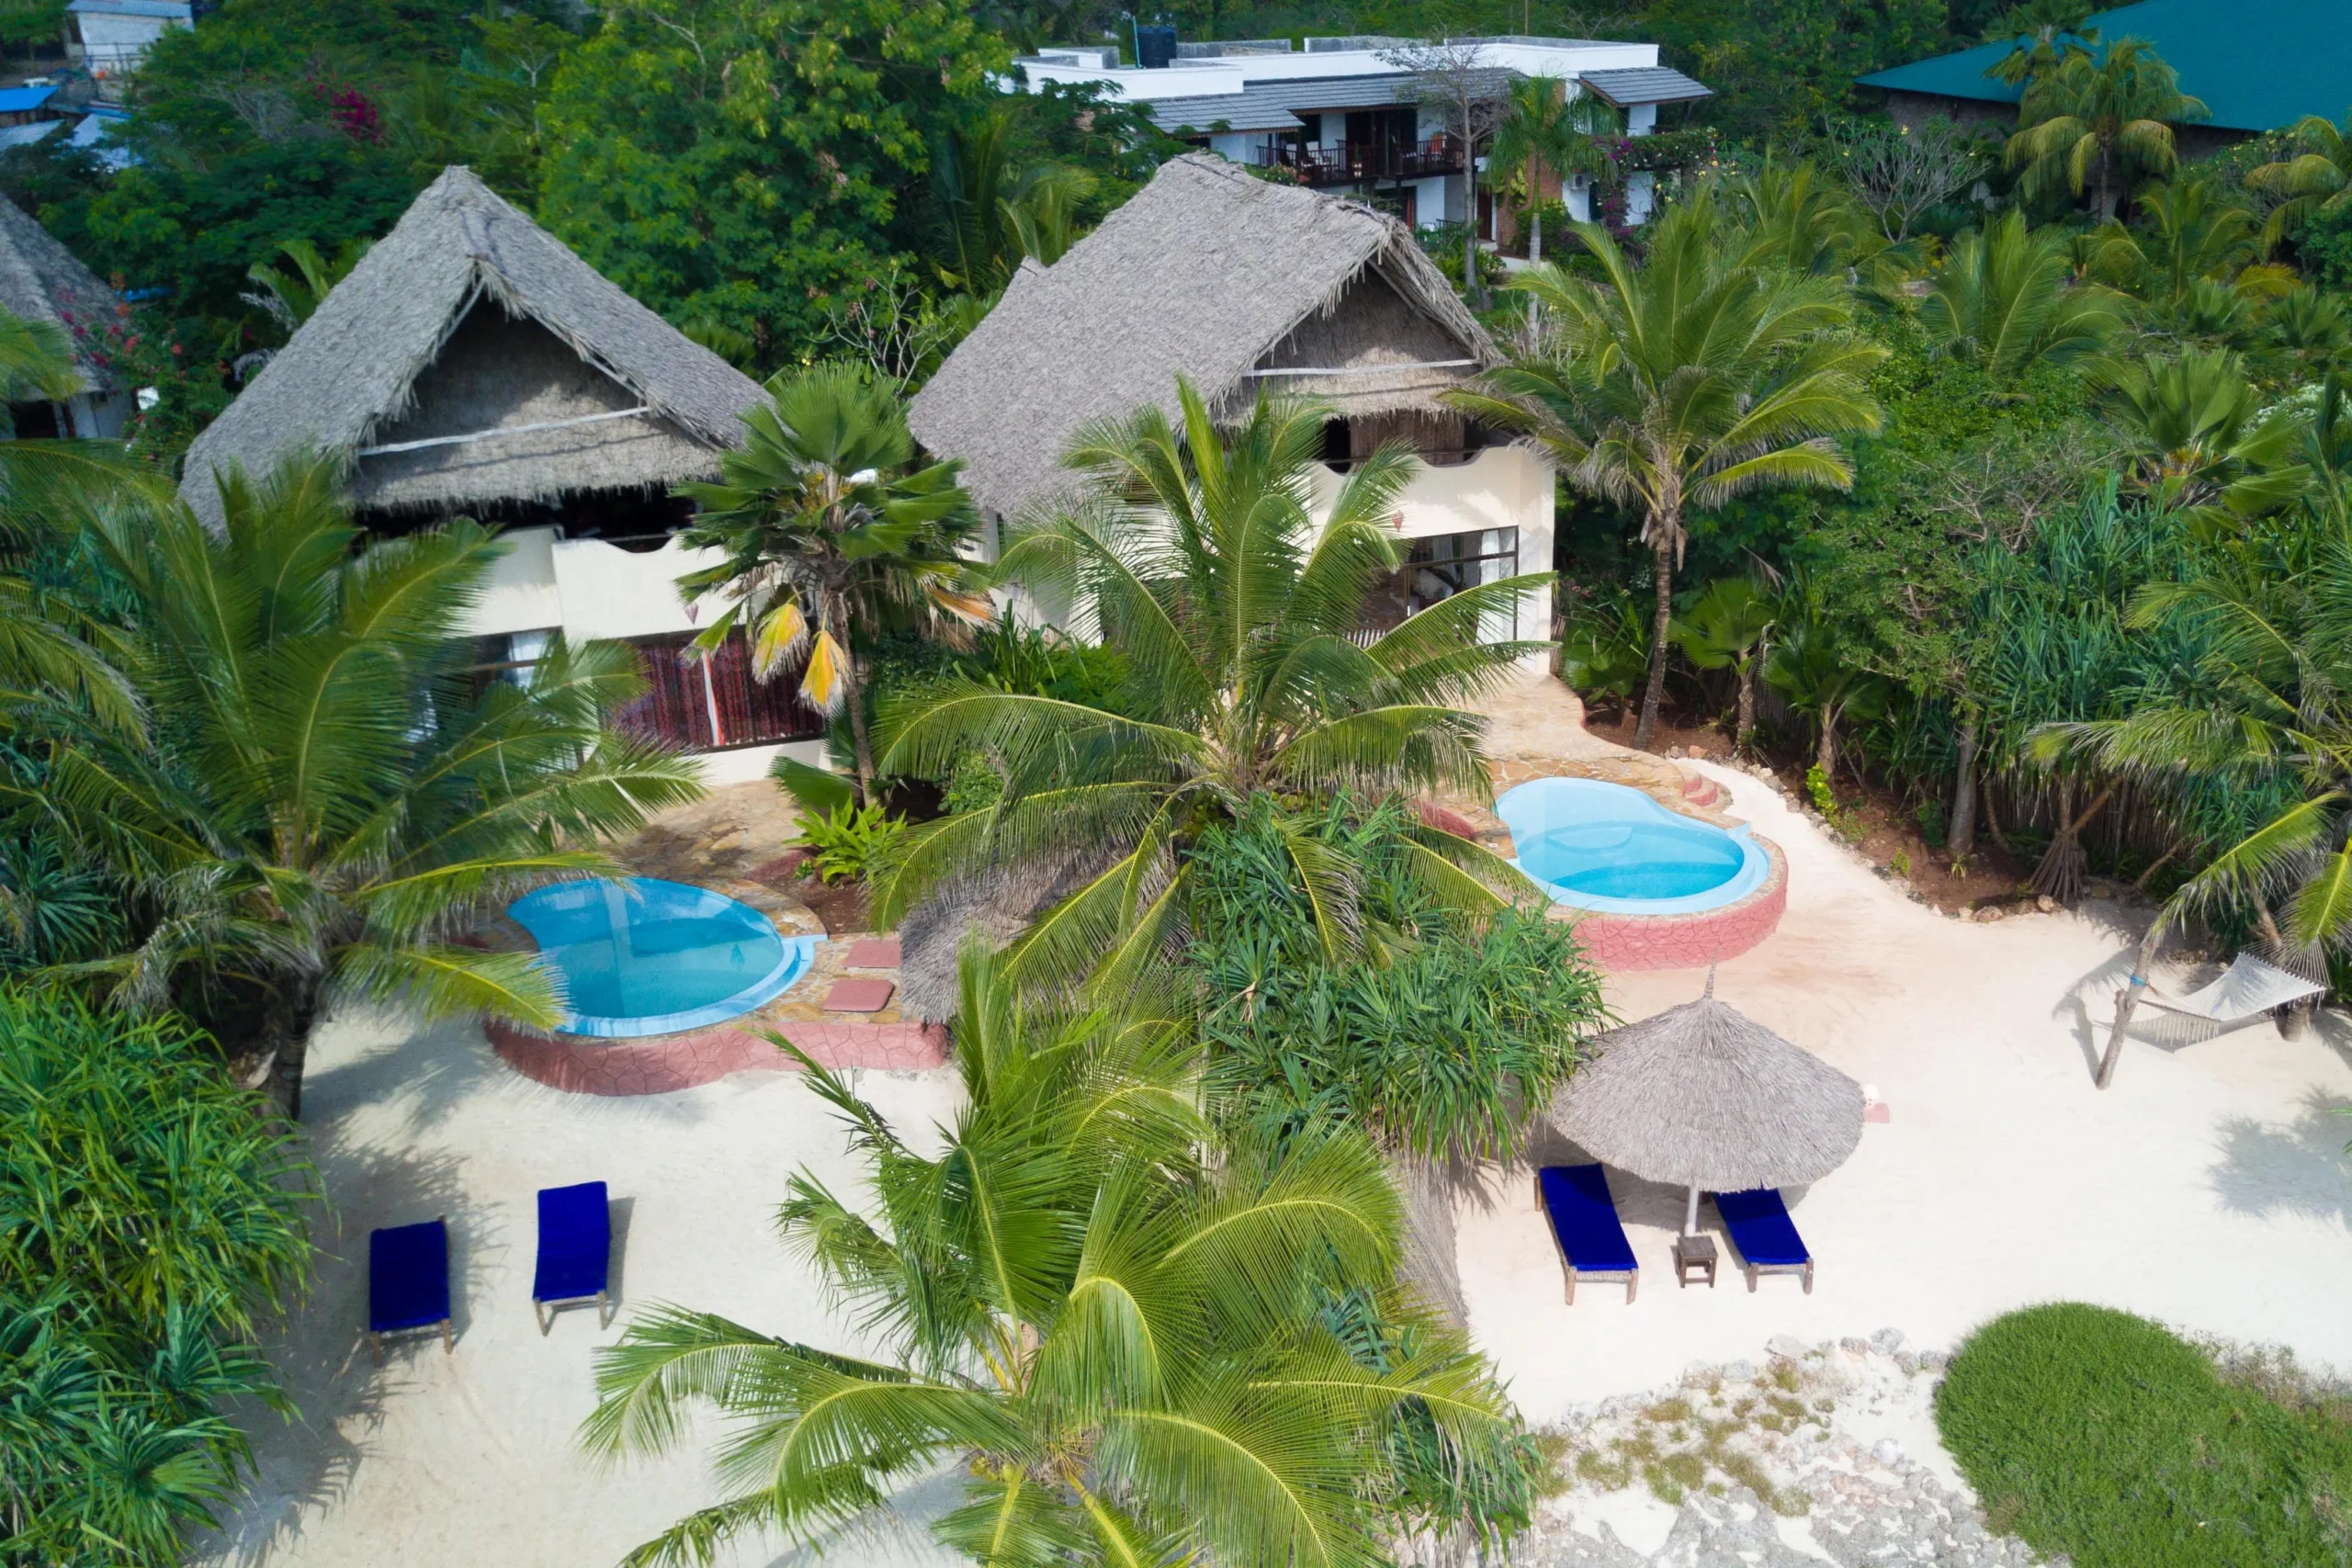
x=470, y=316
x=1210, y=272
x=998, y=903
x=1701, y=1095
x=40, y=280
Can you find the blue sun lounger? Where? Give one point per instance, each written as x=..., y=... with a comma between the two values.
x=1767, y=1239
x=408, y=1283
x=1584, y=1226
x=575, y=1252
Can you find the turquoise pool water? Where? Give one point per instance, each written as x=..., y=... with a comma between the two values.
x=644, y=957
x=1606, y=848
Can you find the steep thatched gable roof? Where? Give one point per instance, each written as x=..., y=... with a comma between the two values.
x=40, y=280
x=1205, y=272
x=459, y=258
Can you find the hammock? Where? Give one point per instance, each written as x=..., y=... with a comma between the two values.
x=2249, y=990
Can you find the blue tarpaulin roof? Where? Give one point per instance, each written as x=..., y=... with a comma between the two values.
x=24, y=100
x=2258, y=64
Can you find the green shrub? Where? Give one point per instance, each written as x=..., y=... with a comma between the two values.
x=2099, y=1434
x=151, y=1212
x=849, y=843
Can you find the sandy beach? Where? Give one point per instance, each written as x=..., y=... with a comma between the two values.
x=2208, y=1188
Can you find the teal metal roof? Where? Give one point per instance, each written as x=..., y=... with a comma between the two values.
x=2258, y=64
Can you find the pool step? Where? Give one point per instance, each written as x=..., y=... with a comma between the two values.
x=1701, y=791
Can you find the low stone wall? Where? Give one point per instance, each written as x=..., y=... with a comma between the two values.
x=669, y=1061
x=1686, y=941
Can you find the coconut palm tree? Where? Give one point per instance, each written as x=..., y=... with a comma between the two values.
x=1115, y=1322
x=2190, y=233
x=2082, y=125
x=2005, y=299
x=327, y=799
x=1794, y=219
x=1202, y=558
x=1728, y=627
x=2046, y=34
x=828, y=532
x=1548, y=129
x=1672, y=387
x=2317, y=180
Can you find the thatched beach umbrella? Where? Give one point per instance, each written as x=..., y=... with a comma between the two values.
x=1702, y=1096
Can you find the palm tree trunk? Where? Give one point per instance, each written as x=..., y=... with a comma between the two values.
x=1746, y=724
x=2128, y=998
x=1662, y=622
x=286, y=1031
x=853, y=679
x=1959, y=839
x=1825, y=754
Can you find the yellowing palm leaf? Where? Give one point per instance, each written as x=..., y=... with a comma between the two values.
x=780, y=637
x=828, y=674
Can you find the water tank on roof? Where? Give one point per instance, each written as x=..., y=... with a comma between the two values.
x=1155, y=47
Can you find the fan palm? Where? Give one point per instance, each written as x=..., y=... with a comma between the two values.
x=2083, y=124
x=1546, y=130
x=326, y=799
x=2317, y=180
x=1810, y=668
x=1727, y=628
x=1673, y=386
x=2005, y=299
x=1119, y=1324
x=1200, y=559
x=2201, y=436
x=828, y=529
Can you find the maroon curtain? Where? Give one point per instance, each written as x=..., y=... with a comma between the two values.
x=676, y=707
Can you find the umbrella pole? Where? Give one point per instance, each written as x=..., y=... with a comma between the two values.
x=1690, y=1215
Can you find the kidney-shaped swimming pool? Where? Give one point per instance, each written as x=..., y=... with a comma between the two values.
x=1610, y=849
x=644, y=957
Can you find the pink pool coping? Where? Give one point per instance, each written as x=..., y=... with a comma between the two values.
x=1626, y=942
x=668, y=1062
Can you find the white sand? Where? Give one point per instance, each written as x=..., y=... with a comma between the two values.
x=470, y=1458
x=2206, y=1187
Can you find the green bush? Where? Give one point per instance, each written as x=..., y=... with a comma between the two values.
x=2099, y=1434
x=150, y=1212
x=849, y=843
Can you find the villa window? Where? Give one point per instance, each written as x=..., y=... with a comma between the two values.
x=1441, y=566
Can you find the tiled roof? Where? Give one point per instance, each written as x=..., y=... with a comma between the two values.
x=2258, y=64
x=1647, y=85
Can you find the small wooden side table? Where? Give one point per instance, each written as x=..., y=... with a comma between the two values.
x=1694, y=1252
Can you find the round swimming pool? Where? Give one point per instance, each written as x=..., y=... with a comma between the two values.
x=1606, y=848
x=644, y=957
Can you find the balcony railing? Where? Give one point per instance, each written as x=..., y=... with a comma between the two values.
x=1354, y=162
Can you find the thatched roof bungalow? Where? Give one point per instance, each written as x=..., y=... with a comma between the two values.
x=473, y=364
x=1231, y=281
x=471, y=360
x=40, y=280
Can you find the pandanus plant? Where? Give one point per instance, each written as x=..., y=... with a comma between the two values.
x=830, y=533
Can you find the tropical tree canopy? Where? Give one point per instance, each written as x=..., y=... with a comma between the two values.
x=1208, y=559
x=1548, y=129
x=1672, y=387
x=2082, y=124
x=1127, y=1329
x=327, y=798
x=2315, y=180
x=830, y=533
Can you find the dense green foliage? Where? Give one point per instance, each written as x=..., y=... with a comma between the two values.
x=2093, y=1433
x=151, y=1216
x=1441, y=1041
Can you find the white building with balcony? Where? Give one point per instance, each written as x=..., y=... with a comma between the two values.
x=1343, y=114
x=1237, y=284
